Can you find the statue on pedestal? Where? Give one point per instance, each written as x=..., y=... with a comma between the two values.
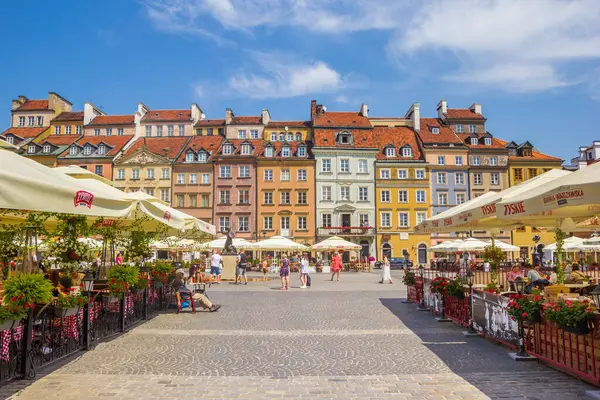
x=229, y=249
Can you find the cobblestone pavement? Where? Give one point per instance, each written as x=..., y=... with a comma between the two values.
x=352, y=339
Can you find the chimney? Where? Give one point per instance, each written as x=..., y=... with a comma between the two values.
x=23, y=99
x=166, y=152
x=266, y=117
x=228, y=116
x=196, y=113
x=414, y=114
x=313, y=110
x=442, y=109
x=90, y=112
x=15, y=104
x=476, y=108
x=364, y=110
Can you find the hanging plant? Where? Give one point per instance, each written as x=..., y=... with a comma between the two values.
x=25, y=290
x=121, y=278
x=64, y=244
x=494, y=255
x=560, y=237
x=409, y=278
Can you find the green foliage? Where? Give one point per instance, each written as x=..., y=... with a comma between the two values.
x=492, y=287
x=11, y=312
x=121, y=278
x=24, y=290
x=560, y=237
x=438, y=285
x=70, y=301
x=137, y=247
x=143, y=281
x=10, y=237
x=455, y=287
x=161, y=271
x=494, y=255
x=569, y=313
x=526, y=307
x=64, y=244
x=409, y=278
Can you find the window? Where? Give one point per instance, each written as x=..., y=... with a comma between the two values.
x=269, y=152
x=285, y=174
x=459, y=178
x=284, y=197
x=193, y=179
x=72, y=150
x=460, y=198
x=441, y=160
x=285, y=222
x=302, y=223
x=282, y=136
x=390, y=152
x=180, y=200
x=40, y=121
x=108, y=131
x=159, y=130
x=435, y=130
x=268, y=223
x=420, y=173
x=189, y=157
x=442, y=199
x=326, y=193
x=87, y=150
x=181, y=129
x=344, y=165
x=273, y=137
x=326, y=165
x=458, y=160
x=345, y=193
x=227, y=149
x=254, y=134
x=221, y=131
x=31, y=149
x=363, y=219
x=205, y=201
x=224, y=197
x=268, y=197
x=99, y=170
x=224, y=223
x=246, y=149
x=150, y=173
x=150, y=191
x=363, y=194
x=460, y=128
x=120, y=131
x=244, y=196
x=202, y=156
x=326, y=220
x=102, y=149
x=302, y=198
x=441, y=178
x=209, y=131
x=135, y=173
x=164, y=173
x=406, y=152
x=290, y=137
x=384, y=173
x=298, y=136
x=78, y=130
x=30, y=121
x=518, y=174
x=302, y=175
x=477, y=179
x=420, y=194
x=241, y=134
x=385, y=196
x=421, y=217
x=363, y=167
x=57, y=130
x=487, y=141
x=494, y=178
x=386, y=219
x=96, y=132
x=474, y=141
x=402, y=174
x=193, y=200
x=165, y=195
x=472, y=128
x=286, y=151
x=21, y=121
x=11, y=140
x=47, y=148
x=476, y=160
x=268, y=175
x=493, y=160
x=199, y=131
x=120, y=173
x=402, y=196
x=533, y=172
x=225, y=171
x=301, y=151
x=244, y=171
x=68, y=130
x=206, y=178
x=180, y=179
x=344, y=138
x=403, y=220
x=149, y=130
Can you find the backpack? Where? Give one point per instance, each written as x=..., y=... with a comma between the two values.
x=308, y=281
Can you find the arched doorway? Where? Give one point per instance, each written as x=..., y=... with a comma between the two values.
x=422, y=254
x=386, y=250
x=364, y=252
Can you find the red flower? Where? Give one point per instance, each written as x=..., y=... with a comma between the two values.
x=518, y=307
x=524, y=315
x=14, y=299
x=21, y=295
x=26, y=306
x=557, y=309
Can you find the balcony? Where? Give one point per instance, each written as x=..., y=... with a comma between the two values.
x=346, y=231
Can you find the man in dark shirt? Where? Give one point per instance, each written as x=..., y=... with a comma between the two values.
x=179, y=286
x=241, y=268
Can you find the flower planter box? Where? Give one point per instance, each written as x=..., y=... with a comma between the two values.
x=7, y=324
x=109, y=299
x=58, y=312
x=581, y=329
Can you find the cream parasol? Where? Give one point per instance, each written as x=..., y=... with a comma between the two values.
x=278, y=243
x=335, y=243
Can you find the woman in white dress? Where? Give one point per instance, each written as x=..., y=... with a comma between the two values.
x=386, y=273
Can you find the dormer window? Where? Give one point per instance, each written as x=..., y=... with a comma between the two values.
x=31, y=149
x=286, y=151
x=406, y=152
x=301, y=151
x=227, y=149
x=273, y=137
x=73, y=151
x=512, y=152
x=435, y=130
x=202, y=156
x=298, y=136
x=246, y=149
x=47, y=148
x=101, y=149
x=10, y=139
x=488, y=141
x=189, y=157
x=474, y=141
x=526, y=152
x=269, y=152
x=344, y=138
x=282, y=136
x=87, y=150
x=390, y=152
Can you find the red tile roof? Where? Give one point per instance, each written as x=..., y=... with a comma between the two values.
x=158, y=145
x=342, y=119
x=291, y=124
x=496, y=143
x=463, y=113
x=256, y=146
x=210, y=122
x=34, y=105
x=446, y=135
x=278, y=145
x=116, y=142
x=25, y=132
x=397, y=137
x=362, y=138
x=112, y=120
x=209, y=143
x=247, y=120
x=69, y=116
x=535, y=155
x=59, y=140
x=168, y=115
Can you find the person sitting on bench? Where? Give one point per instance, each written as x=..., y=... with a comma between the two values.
x=536, y=279
x=179, y=286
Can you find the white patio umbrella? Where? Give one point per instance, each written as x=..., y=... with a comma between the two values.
x=278, y=243
x=593, y=241
x=570, y=244
x=505, y=247
x=219, y=243
x=470, y=244
x=443, y=247
x=335, y=243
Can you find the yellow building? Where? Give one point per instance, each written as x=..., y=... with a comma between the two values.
x=524, y=163
x=402, y=194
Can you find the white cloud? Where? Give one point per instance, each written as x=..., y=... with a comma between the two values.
x=342, y=99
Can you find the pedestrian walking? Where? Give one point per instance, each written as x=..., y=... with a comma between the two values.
x=304, y=277
x=241, y=268
x=216, y=261
x=285, y=273
x=386, y=273
x=119, y=259
x=265, y=269
x=336, y=266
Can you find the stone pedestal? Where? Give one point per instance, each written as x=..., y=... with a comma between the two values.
x=229, y=263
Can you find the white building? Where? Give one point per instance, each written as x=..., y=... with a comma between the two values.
x=345, y=151
x=587, y=155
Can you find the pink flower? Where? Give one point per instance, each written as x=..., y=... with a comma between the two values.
x=524, y=315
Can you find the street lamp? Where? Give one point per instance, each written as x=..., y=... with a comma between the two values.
x=519, y=285
x=471, y=332
x=88, y=282
x=581, y=257
x=422, y=306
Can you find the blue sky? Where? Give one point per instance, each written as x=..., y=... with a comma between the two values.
x=534, y=66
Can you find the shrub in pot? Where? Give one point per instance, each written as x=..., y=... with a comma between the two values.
x=160, y=273
x=25, y=290
x=121, y=278
x=456, y=288
x=526, y=307
x=68, y=305
x=409, y=278
x=10, y=316
x=571, y=316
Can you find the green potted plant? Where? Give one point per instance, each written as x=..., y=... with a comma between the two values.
x=438, y=285
x=25, y=290
x=120, y=279
x=160, y=273
x=570, y=316
x=68, y=305
x=9, y=316
x=142, y=283
x=494, y=255
x=456, y=288
x=528, y=308
x=409, y=278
